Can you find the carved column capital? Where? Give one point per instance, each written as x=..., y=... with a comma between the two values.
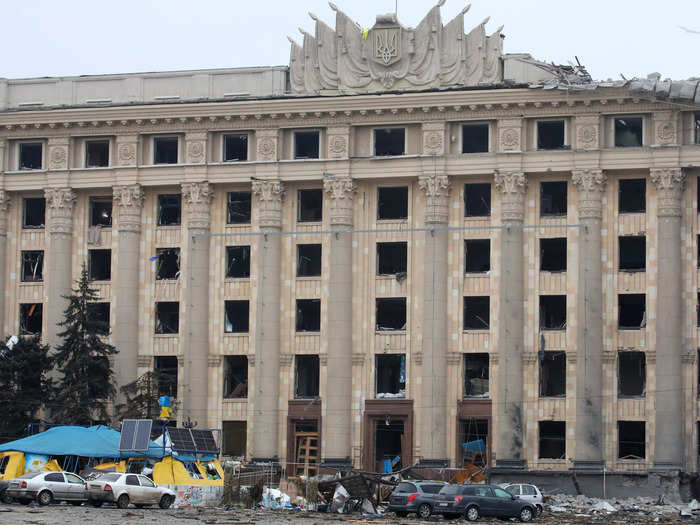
x=591, y=185
x=341, y=191
x=4, y=207
x=512, y=186
x=198, y=197
x=437, y=191
x=129, y=201
x=266, y=140
x=59, y=203
x=669, y=184
x=196, y=148
x=58, y=153
x=434, y=138
x=269, y=193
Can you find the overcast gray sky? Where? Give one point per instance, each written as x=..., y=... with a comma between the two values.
x=74, y=37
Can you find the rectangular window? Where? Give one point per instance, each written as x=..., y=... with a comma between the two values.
x=236, y=317
x=238, y=262
x=100, y=265
x=30, y=316
x=34, y=213
x=391, y=314
x=99, y=314
x=632, y=196
x=553, y=312
x=553, y=255
x=235, y=377
x=390, y=376
x=167, y=264
x=628, y=132
x=552, y=440
x=631, y=440
x=308, y=315
x=307, y=144
x=550, y=134
x=165, y=368
x=165, y=150
x=476, y=375
x=633, y=249
x=235, y=147
x=553, y=198
x=389, y=142
x=308, y=260
x=475, y=138
x=167, y=317
x=31, y=155
x=631, y=311
x=238, y=207
x=392, y=258
x=310, y=205
x=476, y=313
x=32, y=266
x=169, y=210
x=631, y=374
x=477, y=255
x=553, y=374
x=101, y=212
x=392, y=203
x=96, y=153
x=697, y=128
x=306, y=374
x=477, y=200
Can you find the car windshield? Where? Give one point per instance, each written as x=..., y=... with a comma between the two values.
x=500, y=493
x=29, y=475
x=450, y=490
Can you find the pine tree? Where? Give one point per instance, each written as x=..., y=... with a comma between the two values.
x=87, y=387
x=141, y=397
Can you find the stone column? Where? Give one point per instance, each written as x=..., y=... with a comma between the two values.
x=668, y=448
x=432, y=402
x=589, y=354
x=509, y=409
x=337, y=422
x=128, y=201
x=269, y=195
x=197, y=197
x=4, y=207
x=59, y=207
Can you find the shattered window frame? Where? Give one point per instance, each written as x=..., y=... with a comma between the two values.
x=554, y=201
x=97, y=158
x=235, y=377
x=477, y=263
x=633, y=438
x=308, y=316
x=33, y=219
x=628, y=191
x=167, y=317
x=477, y=205
x=34, y=311
x=163, y=260
x=238, y=207
x=100, y=314
x=548, y=322
x=26, y=156
x=477, y=312
x=307, y=211
x=551, y=251
x=546, y=143
x=169, y=203
x=387, y=195
x=314, y=138
x=233, y=253
x=101, y=210
x=628, y=131
x=236, y=316
x=625, y=300
x=627, y=252
x=228, y=150
x=386, y=307
x=629, y=385
x=552, y=433
x=32, y=266
x=309, y=260
x=390, y=376
x=552, y=362
x=480, y=139
x=102, y=272
x=390, y=262
x=307, y=372
x=167, y=369
x=164, y=156
x=389, y=134
x=475, y=376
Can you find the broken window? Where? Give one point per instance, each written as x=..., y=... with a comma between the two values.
x=236, y=315
x=167, y=317
x=392, y=203
x=30, y=316
x=389, y=142
x=550, y=134
x=631, y=311
x=392, y=258
x=628, y=132
x=473, y=430
x=34, y=213
x=476, y=375
x=389, y=445
x=633, y=249
x=165, y=150
x=100, y=265
x=552, y=440
x=697, y=128
x=631, y=440
x=166, y=371
x=169, y=209
x=477, y=255
x=31, y=155
x=310, y=205
x=552, y=312
x=553, y=198
x=235, y=376
x=96, y=153
x=99, y=314
x=391, y=375
x=306, y=144
x=308, y=260
x=631, y=374
x=475, y=138
x=477, y=200
x=553, y=374
x=235, y=147
x=553, y=255
x=238, y=262
x=32, y=266
x=308, y=315
x=167, y=263
x=238, y=207
x=101, y=212
x=476, y=313
x=391, y=314
x=632, y=196
x=306, y=373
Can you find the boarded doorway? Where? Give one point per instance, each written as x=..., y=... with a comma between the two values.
x=306, y=449
x=234, y=438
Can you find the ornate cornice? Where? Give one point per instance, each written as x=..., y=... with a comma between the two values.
x=341, y=192
x=437, y=191
x=198, y=197
x=269, y=193
x=129, y=200
x=512, y=186
x=591, y=185
x=669, y=184
x=59, y=204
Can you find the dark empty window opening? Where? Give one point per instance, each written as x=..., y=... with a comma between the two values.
x=553, y=374
x=476, y=313
x=475, y=138
x=100, y=265
x=238, y=262
x=308, y=260
x=308, y=315
x=31, y=155
x=392, y=203
x=628, y=132
x=697, y=128
x=553, y=255
x=99, y=314
x=167, y=317
x=631, y=374
x=307, y=144
x=167, y=264
x=236, y=317
x=470, y=430
x=477, y=255
x=389, y=142
x=96, y=153
x=698, y=378
x=391, y=375
x=235, y=376
x=476, y=375
x=552, y=440
x=389, y=444
x=30, y=315
x=165, y=150
x=632, y=196
x=553, y=198
x=631, y=311
x=633, y=251
x=550, y=134
x=166, y=370
x=392, y=258
x=169, y=210
x=101, y=212
x=391, y=314
x=631, y=440
x=553, y=312
x=235, y=148
x=697, y=310
x=32, y=266
x=477, y=200
x=310, y=205
x=306, y=374
x=34, y=213
x=238, y=207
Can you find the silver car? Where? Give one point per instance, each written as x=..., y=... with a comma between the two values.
x=124, y=489
x=526, y=492
x=47, y=487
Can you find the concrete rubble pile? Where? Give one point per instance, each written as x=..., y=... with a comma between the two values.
x=640, y=510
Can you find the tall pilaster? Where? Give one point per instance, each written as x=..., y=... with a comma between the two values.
x=269, y=195
x=668, y=450
x=509, y=411
x=337, y=423
x=197, y=197
x=589, y=354
x=4, y=207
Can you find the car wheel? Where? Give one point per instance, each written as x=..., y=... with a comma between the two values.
x=165, y=501
x=96, y=503
x=123, y=501
x=472, y=513
x=424, y=511
x=526, y=514
x=539, y=510
x=44, y=498
x=6, y=499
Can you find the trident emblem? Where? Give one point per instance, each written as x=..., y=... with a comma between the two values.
x=386, y=45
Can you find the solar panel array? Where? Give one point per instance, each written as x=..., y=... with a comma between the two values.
x=204, y=441
x=135, y=434
x=193, y=441
x=181, y=439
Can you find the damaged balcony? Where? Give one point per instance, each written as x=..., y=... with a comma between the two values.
x=390, y=376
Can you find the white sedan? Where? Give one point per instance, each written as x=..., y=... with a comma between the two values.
x=124, y=489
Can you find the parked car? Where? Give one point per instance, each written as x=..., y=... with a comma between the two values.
x=4, y=497
x=525, y=492
x=472, y=501
x=47, y=487
x=418, y=497
x=123, y=489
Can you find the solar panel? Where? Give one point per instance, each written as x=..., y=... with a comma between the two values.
x=204, y=441
x=135, y=434
x=181, y=440
x=126, y=440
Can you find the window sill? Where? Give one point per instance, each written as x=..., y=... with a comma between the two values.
x=235, y=399
x=638, y=398
x=486, y=396
x=308, y=278
x=166, y=336
x=309, y=332
x=390, y=332
x=236, y=334
x=25, y=171
x=563, y=396
x=486, y=273
x=478, y=217
x=25, y=283
x=621, y=270
x=476, y=330
x=630, y=329
x=228, y=279
x=552, y=329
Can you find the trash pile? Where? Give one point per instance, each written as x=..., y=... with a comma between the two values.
x=631, y=509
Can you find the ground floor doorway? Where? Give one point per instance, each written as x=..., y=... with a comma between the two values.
x=234, y=438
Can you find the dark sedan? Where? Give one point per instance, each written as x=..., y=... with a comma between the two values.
x=472, y=501
x=418, y=497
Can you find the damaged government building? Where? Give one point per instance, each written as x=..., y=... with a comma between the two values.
x=404, y=241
